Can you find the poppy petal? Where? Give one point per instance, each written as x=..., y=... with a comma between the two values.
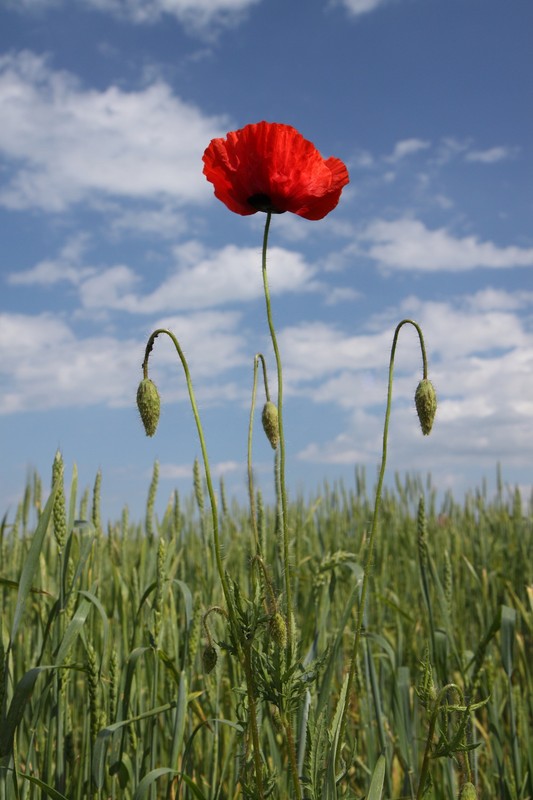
x=271, y=167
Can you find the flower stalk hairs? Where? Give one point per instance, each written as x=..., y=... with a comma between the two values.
x=271, y=168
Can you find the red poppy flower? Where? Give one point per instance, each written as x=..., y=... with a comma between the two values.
x=268, y=166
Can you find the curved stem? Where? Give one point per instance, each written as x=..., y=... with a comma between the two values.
x=244, y=657
x=283, y=516
x=371, y=541
x=211, y=492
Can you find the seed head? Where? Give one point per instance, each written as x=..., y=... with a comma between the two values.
x=270, y=423
x=426, y=405
x=149, y=405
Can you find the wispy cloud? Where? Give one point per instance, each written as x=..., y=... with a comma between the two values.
x=357, y=7
x=199, y=16
x=200, y=279
x=407, y=147
x=408, y=244
x=67, y=266
x=65, y=144
x=47, y=364
x=491, y=155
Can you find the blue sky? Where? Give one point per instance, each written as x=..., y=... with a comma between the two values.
x=109, y=230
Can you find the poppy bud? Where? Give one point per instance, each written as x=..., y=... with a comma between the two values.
x=149, y=405
x=278, y=630
x=270, y=423
x=209, y=658
x=426, y=404
x=468, y=792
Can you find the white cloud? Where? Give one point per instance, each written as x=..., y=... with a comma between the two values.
x=213, y=341
x=492, y=155
x=341, y=294
x=66, y=267
x=490, y=299
x=64, y=144
x=200, y=16
x=314, y=350
x=357, y=7
x=407, y=147
x=45, y=364
x=201, y=279
x=408, y=244
x=480, y=358
x=164, y=221
x=481, y=362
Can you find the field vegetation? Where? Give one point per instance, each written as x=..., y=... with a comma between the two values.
x=121, y=676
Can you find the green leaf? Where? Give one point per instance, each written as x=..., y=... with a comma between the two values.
x=21, y=695
x=378, y=778
x=193, y=787
x=187, y=596
x=105, y=621
x=100, y=746
x=508, y=623
x=72, y=632
x=48, y=790
x=180, y=720
x=142, y=789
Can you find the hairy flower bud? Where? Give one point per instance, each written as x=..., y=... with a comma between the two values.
x=426, y=405
x=278, y=630
x=209, y=658
x=270, y=423
x=149, y=405
x=468, y=792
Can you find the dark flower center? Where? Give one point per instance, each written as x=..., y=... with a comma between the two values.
x=262, y=202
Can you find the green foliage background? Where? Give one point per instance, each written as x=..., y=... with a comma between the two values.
x=104, y=692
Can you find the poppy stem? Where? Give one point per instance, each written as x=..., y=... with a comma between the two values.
x=283, y=515
x=209, y=482
x=373, y=530
x=253, y=515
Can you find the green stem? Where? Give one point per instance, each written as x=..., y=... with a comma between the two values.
x=431, y=731
x=371, y=541
x=210, y=489
x=216, y=539
x=253, y=515
x=283, y=516
x=292, y=756
x=253, y=720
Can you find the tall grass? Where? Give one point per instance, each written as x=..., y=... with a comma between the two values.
x=117, y=673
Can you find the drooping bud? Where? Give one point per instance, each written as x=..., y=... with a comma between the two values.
x=270, y=423
x=426, y=404
x=149, y=405
x=209, y=658
x=468, y=792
